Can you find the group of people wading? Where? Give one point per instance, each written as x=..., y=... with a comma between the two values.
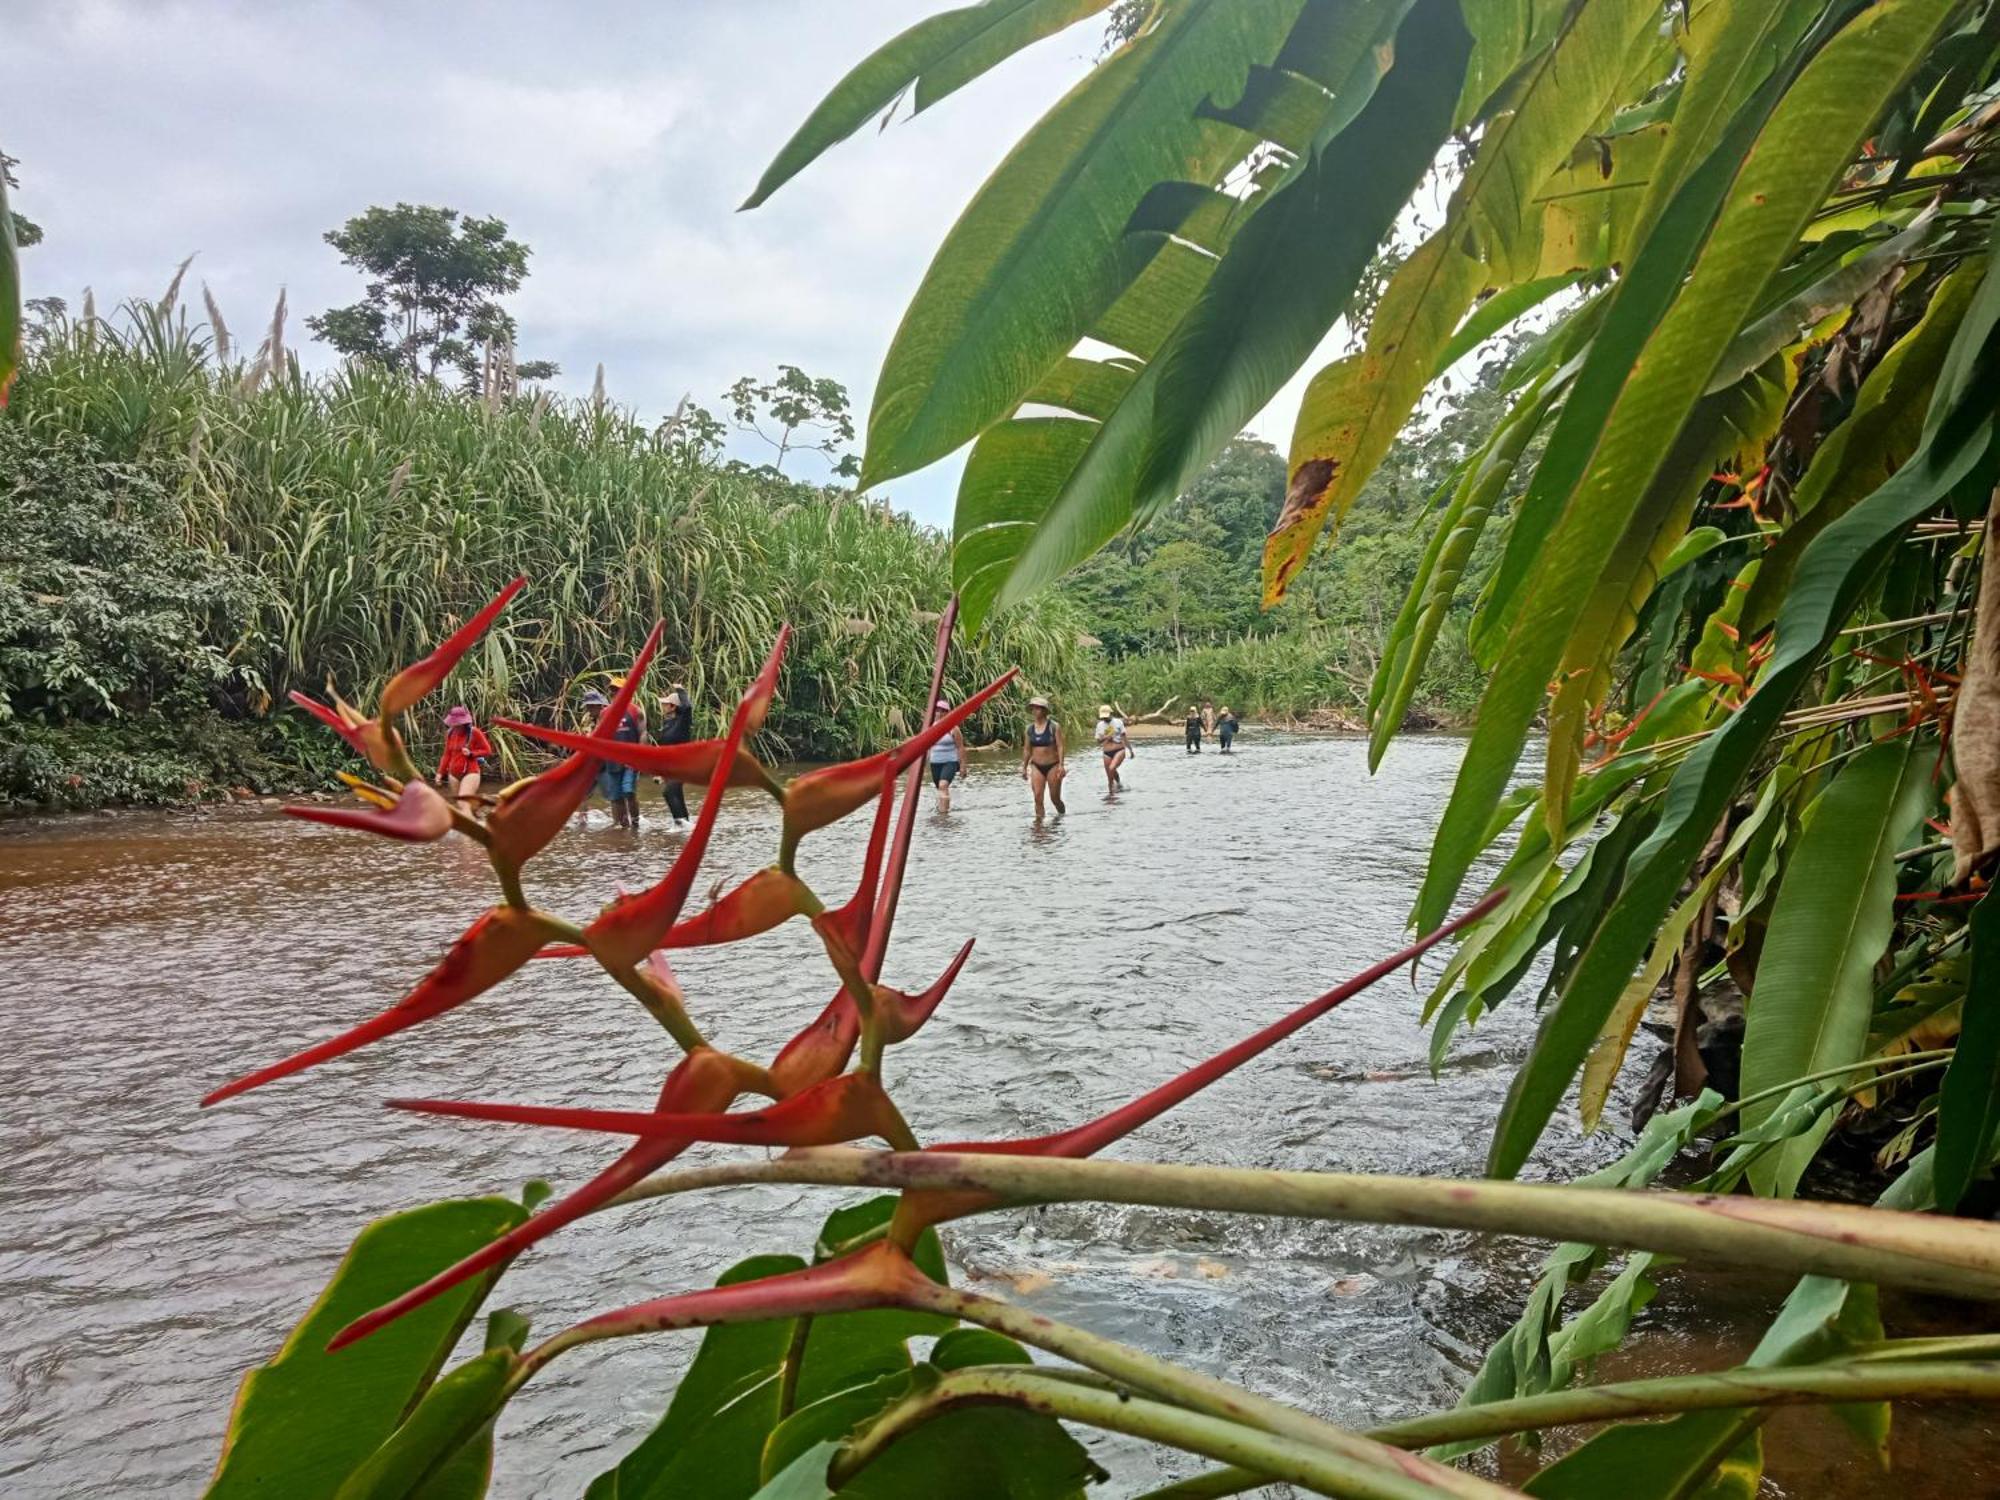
x=1203, y=719
x=468, y=753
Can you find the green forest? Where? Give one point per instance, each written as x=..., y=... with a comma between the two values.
x=197, y=525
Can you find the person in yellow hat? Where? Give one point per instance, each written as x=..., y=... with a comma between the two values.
x=1042, y=756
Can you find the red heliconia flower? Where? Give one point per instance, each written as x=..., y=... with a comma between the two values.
x=900, y=1015
x=490, y=949
x=692, y=761
x=765, y=900
x=851, y=1107
x=832, y=792
x=703, y=1081
x=530, y=813
x=419, y=816
x=879, y=1275
x=919, y=1210
x=419, y=679
x=633, y=926
x=368, y=738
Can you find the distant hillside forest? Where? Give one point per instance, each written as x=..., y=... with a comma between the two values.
x=1176, y=604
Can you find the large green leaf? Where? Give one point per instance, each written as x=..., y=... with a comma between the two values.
x=1833, y=576
x=938, y=55
x=444, y=1449
x=1731, y=47
x=1213, y=339
x=1836, y=908
x=1352, y=413
x=308, y=1419
x=1969, y=1106
x=1868, y=447
x=1653, y=360
x=722, y=1411
x=712, y=1439
x=1041, y=252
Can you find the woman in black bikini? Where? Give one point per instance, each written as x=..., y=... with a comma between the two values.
x=1042, y=756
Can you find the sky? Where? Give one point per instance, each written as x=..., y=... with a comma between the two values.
x=616, y=138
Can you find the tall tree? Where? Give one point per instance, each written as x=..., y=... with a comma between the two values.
x=433, y=302
x=796, y=411
x=26, y=231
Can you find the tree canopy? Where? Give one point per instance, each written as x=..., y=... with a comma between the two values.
x=435, y=280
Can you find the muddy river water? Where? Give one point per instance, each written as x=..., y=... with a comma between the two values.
x=151, y=1252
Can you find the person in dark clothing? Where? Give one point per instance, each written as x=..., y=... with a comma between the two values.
x=676, y=728
x=1225, y=726
x=1194, y=729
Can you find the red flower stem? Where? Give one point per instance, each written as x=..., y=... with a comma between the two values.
x=1087, y=1139
x=884, y=918
x=906, y=815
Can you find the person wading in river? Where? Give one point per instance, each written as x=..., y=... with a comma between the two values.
x=1115, y=744
x=618, y=785
x=946, y=757
x=1193, y=729
x=1042, y=756
x=676, y=728
x=463, y=763
x=1225, y=728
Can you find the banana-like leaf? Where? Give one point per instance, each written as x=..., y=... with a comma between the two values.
x=308, y=1419
x=1969, y=1106
x=1213, y=339
x=1600, y=1069
x=1728, y=429
x=1499, y=311
x=1352, y=413
x=1815, y=986
x=444, y=1449
x=1863, y=451
x=1652, y=361
x=1041, y=252
x=1833, y=576
x=938, y=55
x=1731, y=48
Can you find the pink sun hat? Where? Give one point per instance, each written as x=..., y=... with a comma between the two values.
x=459, y=715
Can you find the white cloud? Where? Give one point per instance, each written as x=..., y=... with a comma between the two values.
x=617, y=139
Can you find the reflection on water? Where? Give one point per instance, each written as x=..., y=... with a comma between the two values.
x=150, y=1253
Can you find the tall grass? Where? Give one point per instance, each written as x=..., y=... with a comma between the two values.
x=383, y=511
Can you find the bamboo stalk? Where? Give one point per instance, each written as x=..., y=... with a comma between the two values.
x=1276, y=1458
x=1954, y=1257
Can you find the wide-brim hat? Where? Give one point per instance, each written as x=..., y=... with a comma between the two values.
x=459, y=715
x=594, y=699
x=1104, y=710
x=1038, y=703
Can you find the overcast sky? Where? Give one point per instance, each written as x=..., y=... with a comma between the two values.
x=616, y=138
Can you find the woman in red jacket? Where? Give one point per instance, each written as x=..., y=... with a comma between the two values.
x=466, y=751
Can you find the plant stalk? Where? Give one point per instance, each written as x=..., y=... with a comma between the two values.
x=1277, y=1457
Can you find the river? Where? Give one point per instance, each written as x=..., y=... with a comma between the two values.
x=151, y=1252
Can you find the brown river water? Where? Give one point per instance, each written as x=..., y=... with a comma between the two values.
x=151, y=1252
